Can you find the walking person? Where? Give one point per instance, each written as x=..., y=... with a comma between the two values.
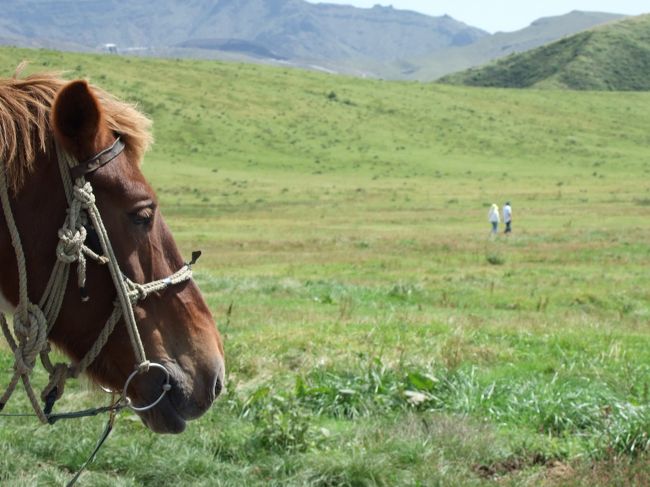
x=507, y=217
x=493, y=218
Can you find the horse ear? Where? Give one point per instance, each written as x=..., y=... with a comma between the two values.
x=76, y=118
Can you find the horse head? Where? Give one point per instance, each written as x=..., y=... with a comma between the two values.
x=175, y=325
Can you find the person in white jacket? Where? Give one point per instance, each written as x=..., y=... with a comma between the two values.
x=507, y=217
x=493, y=218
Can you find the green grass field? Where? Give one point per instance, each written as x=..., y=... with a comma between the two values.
x=374, y=333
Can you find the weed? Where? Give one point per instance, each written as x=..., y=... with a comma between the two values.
x=404, y=291
x=280, y=424
x=495, y=259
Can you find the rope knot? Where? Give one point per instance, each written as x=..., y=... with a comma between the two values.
x=144, y=367
x=84, y=194
x=142, y=292
x=70, y=246
x=137, y=292
x=30, y=328
x=58, y=377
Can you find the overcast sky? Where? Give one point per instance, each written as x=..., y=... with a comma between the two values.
x=504, y=15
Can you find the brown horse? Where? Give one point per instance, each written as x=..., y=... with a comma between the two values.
x=175, y=325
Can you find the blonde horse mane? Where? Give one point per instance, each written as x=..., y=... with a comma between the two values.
x=25, y=130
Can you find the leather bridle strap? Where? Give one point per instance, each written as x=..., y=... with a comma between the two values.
x=98, y=160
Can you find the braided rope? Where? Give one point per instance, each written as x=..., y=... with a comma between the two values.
x=120, y=285
x=29, y=321
x=15, y=242
x=101, y=340
x=138, y=292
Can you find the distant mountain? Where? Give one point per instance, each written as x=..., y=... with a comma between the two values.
x=612, y=57
x=339, y=37
x=378, y=42
x=501, y=44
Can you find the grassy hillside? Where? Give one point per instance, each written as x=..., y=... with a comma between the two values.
x=615, y=57
x=502, y=44
x=374, y=333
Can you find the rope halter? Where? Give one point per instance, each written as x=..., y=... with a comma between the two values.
x=33, y=323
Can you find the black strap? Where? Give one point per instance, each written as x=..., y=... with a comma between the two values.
x=195, y=256
x=53, y=418
x=99, y=160
x=102, y=439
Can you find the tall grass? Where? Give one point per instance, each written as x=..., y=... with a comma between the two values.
x=598, y=418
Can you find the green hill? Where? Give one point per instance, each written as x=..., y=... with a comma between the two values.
x=257, y=119
x=615, y=57
x=501, y=44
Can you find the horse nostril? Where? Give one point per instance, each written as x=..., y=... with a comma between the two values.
x=218, y=386
x=218, y=378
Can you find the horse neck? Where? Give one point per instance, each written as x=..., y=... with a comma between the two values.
x=39, y=210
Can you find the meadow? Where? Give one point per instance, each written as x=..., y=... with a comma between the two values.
x=375, y=334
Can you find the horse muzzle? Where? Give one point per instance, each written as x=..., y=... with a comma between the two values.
x=188, y=396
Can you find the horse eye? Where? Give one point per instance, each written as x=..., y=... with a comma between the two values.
x=143, y=216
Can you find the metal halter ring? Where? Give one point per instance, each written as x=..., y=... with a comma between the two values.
x=166, y=387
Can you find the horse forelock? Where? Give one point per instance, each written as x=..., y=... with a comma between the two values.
x=25, y=129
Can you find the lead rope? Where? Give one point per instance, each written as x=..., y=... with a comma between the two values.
x=29, y=322
x=32, y=324
x=107, y=431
